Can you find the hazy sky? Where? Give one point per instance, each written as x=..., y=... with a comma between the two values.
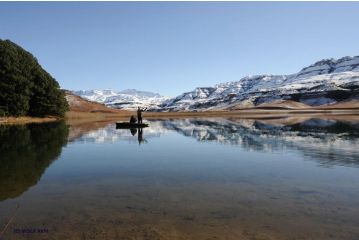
x=174, y=47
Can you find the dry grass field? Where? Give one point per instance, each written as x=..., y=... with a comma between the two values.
x=24, y=120
x=84, y=111
x=83, y=117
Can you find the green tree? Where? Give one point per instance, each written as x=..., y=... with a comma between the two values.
x=25, y=87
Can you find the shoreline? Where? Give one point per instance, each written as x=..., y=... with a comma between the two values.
x=256, y=113
x=26, y=120
x=243, y=113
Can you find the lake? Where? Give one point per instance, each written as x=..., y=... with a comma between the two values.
x=203, y=178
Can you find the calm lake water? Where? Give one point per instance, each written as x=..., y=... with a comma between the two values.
x=181, y=179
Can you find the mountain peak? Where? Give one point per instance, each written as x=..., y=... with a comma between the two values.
x=128, y=99
x=139, y=93
x=316, y=84
x=331, y=65
x=325, y=82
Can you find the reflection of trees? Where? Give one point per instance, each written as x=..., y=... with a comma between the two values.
x=25, y=152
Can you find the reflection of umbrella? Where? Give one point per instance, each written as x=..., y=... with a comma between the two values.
x=133, y=131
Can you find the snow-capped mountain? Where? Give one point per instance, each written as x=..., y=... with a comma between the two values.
x=325, y=82
x=128, y=99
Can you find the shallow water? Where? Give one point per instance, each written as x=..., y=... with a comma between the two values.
x=181, y=179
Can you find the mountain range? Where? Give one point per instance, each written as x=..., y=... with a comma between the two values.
x=128, y=99
x=326, y=82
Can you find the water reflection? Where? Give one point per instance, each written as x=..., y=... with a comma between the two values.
x=329, y=142
x=106, y=187
x=133, y=131
x=109, y=134
x=25, y=152
x=140, y=138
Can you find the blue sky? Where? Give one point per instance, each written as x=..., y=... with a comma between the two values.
x=174, y=47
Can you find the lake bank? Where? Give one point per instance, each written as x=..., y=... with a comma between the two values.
x=26, y=120
x=98, y=116
x=263, y=114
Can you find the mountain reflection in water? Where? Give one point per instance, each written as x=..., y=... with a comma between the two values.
x=328, y=142
x=195, y=179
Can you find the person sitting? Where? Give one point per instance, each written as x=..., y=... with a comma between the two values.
x=133, y=120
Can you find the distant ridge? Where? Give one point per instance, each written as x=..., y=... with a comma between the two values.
x=79, y=104
x=285, y=104
x=327, y=82
x=128, y=99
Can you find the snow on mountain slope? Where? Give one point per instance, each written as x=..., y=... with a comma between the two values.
x=330, y=66
x=78, y=104
x=128, y=99
x=324, y=82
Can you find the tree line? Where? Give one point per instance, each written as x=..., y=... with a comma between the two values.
x=26, y=89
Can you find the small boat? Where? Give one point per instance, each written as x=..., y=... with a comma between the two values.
x=123, y=125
